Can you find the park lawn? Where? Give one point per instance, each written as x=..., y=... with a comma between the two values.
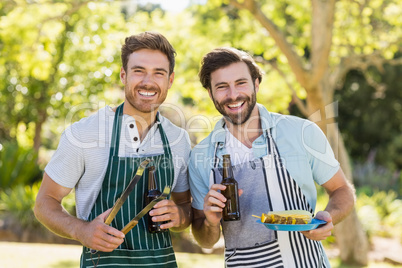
x=31, y=255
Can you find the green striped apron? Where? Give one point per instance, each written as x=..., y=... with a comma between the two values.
x=140, y=248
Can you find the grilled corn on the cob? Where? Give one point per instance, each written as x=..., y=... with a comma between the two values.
x=287, y=217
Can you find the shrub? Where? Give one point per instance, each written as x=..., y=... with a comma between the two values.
x=17, y=166
x=19, y=201
x=369, y=177
x=380, y=213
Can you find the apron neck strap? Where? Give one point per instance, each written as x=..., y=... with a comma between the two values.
x=165, y=141
x=270, y=141
x=114, y=144
x=216, y=159
x=115, y=141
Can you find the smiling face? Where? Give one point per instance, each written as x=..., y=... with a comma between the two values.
x=234, y=93
x=147, y=80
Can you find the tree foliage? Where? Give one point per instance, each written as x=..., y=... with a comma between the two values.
x=365, y=33
x=371, y=118
x=54, y=55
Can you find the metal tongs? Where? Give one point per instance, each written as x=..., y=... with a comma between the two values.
x=119, y=203
x=144, y=211
x=127, y=191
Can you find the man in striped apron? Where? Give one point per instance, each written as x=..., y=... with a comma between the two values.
x=99, y=155
x=277, y=160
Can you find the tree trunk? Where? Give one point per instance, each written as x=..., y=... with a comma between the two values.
x=42, y=116
x=350, y=236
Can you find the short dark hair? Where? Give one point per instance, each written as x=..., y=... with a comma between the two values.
x=223, y=57
x=148, y=40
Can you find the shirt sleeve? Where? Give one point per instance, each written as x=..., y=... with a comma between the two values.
x=180, y=160
x=182, y=184
x=67, y=164
x=321, y=156
x=198, y=184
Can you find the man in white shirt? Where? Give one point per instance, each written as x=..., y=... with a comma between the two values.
x=99, y=155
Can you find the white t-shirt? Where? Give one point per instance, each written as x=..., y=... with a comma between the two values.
x=81, y=158
x=239, y=153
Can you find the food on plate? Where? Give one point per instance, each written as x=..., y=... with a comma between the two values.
x=287, y=217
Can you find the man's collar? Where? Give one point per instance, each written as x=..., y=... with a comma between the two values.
x=219, y=135
x=267, y=121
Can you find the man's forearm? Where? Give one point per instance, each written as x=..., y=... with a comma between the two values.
x=341, y=203
x=186, y=216
x=52, y=215
x=205, y=234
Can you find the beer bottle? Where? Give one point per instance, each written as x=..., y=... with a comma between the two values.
x=153, y=193
x=231, y=211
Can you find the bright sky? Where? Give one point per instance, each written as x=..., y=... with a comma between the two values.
x=173, y=5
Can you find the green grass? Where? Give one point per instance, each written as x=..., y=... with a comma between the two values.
x=335, y=263
x=199, y=260
x=24, y=255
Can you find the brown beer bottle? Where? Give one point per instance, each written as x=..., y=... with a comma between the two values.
x=153, y=193
x=231, y=211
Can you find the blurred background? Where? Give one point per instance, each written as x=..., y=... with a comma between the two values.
x=338, y=63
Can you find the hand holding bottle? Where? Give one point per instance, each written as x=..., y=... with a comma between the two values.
x=214, y=203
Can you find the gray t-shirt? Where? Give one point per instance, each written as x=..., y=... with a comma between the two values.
x=81, y=158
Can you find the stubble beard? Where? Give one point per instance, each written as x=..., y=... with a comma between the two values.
x=143, y=106
x=240, y=118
